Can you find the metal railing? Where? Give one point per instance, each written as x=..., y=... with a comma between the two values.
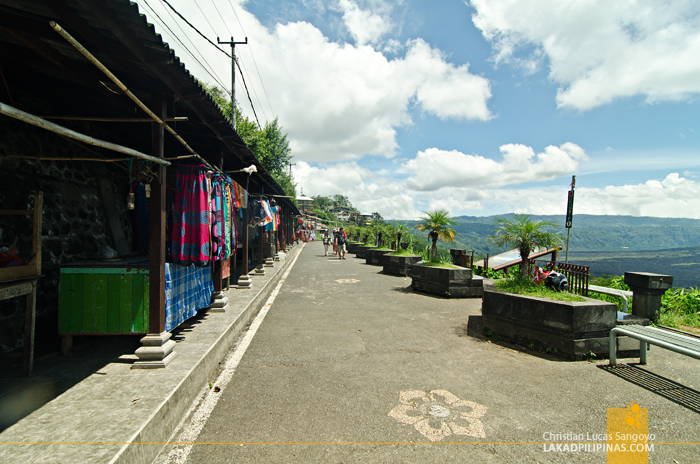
x=577, y=275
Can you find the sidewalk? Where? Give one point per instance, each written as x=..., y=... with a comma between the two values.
x=350, y=365
x=123, y=415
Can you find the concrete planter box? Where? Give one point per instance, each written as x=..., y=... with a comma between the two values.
x=374, y=256
x=352, y=247
x=361, y=251
x=399, y=265
x=451, y=283
x=575, y=329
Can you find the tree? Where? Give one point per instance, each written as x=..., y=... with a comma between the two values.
x=525, y=235
x=377, y=217
x=342, y=200
x=438, y=225
x=269, y=145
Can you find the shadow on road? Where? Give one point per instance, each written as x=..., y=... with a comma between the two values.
x=674, y=391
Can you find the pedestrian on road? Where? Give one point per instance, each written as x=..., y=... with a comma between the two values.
x=326, y=241
x=335, y=242
x=341, y=240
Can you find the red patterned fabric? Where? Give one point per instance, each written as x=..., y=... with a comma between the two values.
x=192, y=217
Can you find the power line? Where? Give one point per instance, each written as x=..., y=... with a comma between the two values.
x=174, y=36
x=238, y=62
x=222, y=18
x=248, y=93
x=197, y=30
x=215, y=45
x=252, y=56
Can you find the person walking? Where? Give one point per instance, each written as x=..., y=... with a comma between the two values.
x=341, y=240
x=326, y=241
x=335, y=242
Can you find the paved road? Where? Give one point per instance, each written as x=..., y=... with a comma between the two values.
x=350, y=365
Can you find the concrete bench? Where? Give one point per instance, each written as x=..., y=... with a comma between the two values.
x=682, y=344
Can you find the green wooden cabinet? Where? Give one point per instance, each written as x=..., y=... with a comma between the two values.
x=103, y=301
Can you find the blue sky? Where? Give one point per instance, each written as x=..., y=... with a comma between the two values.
x=481, y=107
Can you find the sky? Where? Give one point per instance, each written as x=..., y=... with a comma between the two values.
x=480, y=107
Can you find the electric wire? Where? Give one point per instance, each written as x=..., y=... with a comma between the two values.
x=222, y=18
x=253, y=57
x=166, y=27
x=248, y=93
x=218, y=80
x=239, y=62
x=206, y=18
x=216, y=46
x=195, y=29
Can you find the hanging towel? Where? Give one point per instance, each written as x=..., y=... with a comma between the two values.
x=192, y=216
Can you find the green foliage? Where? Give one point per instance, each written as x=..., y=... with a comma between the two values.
x=520, y=285
x=524, y=234
x=680, y=307
x=342, y=200
x=438, y=224
x=269, y=145
x=442, y=258
x=489, y=273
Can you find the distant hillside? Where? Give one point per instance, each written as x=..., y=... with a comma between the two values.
x=592, y=233
x=608, y=244
x=682, y=263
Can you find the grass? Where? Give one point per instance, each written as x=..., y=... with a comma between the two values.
x=402, y=252
x=438, y=264
x=521, y=286
x=383, y=249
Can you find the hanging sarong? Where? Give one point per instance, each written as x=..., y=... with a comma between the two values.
x=227, y=220
x=217, y=226
x=192, y=216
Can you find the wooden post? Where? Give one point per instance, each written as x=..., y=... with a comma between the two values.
x=156, y=349
x=156, y=295
x=244, y=281
x=29, y=324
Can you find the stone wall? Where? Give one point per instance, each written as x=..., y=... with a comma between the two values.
x=74, y=226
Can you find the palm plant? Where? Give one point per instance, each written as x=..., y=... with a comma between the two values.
x=351, y=230
x=377, y=228
x=438, y=225
x=390, y=233
x=401, y=230
x=524, y=234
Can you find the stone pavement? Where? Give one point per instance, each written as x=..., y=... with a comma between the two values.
x=350, y=365
x=115, y=413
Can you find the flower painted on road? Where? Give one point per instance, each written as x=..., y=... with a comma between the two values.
x=439, y=414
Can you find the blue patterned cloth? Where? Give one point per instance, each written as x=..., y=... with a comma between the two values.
x=187, y=290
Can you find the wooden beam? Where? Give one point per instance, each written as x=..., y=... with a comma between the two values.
x=156, y=295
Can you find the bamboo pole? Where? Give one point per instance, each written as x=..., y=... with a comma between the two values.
x=88, y=118
x=116, y=81
x=44, y=124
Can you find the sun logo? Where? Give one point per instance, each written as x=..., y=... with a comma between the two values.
x=634, y=415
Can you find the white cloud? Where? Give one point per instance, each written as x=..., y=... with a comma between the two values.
x=674, y=196
x=337, y=101
x=599, y=50
x=366, y=190
x=434, y=169
x=365, y=26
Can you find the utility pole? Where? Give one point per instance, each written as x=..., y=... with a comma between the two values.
x=233, y=76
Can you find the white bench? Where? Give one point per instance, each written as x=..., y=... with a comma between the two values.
x=682, y=344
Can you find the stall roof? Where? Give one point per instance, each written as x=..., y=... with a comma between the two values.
x=47, y=76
